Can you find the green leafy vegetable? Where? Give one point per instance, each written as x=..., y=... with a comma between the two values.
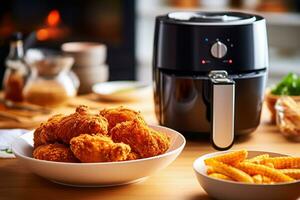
x=289, y=85
x=8, y=151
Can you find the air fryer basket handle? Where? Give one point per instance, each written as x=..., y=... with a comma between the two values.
x=222, y=108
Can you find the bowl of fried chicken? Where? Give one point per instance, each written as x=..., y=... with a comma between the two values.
x=112, y=147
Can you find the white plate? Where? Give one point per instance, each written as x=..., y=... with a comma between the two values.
x=222, y=189
x=128, y=90
x=98, y=174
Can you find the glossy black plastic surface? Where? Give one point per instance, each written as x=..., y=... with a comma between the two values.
x=183, y=102
x=186, y=46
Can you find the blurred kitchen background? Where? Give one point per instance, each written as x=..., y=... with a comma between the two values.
x=127, y=27
x=283, y=21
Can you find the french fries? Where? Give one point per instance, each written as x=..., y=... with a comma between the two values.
x=269, y=165
x=261, y=179
x=252, y=169
x=229, y=171
x=294, y=173
x=210, y=170
x=261, y=169
x=266, y=180
x=220, y=176
x=283, y=162
x=232, y=157
x=257, y=178
x=258, y=159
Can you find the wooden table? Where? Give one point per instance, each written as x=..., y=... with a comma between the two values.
x=175, y=182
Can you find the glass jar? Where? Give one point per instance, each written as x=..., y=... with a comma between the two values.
x=288, y=118
x=16, y=71
x=13, y=83
x=51, y=82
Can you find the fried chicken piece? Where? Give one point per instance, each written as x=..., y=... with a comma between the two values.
x=143, y=140
x=118, y=115
x=81, y=122
x=54, y=152
x=133, y=156
x=63, y=128
x=98, y=148
x=44, y=134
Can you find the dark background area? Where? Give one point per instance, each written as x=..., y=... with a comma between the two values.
x=106, y=21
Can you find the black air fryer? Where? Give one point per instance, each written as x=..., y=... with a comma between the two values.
x=209, y=71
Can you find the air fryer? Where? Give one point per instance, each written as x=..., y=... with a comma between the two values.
x=209, y=73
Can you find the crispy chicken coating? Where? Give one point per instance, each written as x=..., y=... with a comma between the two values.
x=143, y=140
x=54, y=152
x=44, y=134
x=112, y=135
x=61, y=128
x=98, y=148
x=118, y=115
x=133, y=156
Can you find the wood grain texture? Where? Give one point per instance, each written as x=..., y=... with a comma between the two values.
x=175, y=182
x=28, y=120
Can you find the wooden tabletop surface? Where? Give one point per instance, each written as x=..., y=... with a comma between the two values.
x=174, y=182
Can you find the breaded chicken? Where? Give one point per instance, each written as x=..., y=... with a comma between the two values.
x=143, y=140
x=44, y=134
x=63, y=128
x=133, y=156
x=118, y=115
x=98, y=148
x=54, y=152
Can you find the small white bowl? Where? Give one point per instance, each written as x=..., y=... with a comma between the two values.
x=121, y=91
x=98, y=174
x=86, y=53
x=89, y=76
x=222, y=189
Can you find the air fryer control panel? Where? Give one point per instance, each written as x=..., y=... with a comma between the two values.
x=218, y=49
x=224, y=50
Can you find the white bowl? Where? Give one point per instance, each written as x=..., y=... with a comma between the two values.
x=98, y=174
x=121, y=91
x=89, y=76
x=222, y=189
x=86, y=53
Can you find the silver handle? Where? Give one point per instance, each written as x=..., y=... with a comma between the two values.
x=223, y=95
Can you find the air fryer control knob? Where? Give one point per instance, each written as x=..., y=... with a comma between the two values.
x=218, y=50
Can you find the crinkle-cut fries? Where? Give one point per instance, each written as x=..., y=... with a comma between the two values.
x=230, y=171
x=220, y=176
x=261, y=169
x=231, y=158
x=261, y=179
x=283, y=162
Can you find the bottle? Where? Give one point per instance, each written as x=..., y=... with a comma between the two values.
x=16, y=70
